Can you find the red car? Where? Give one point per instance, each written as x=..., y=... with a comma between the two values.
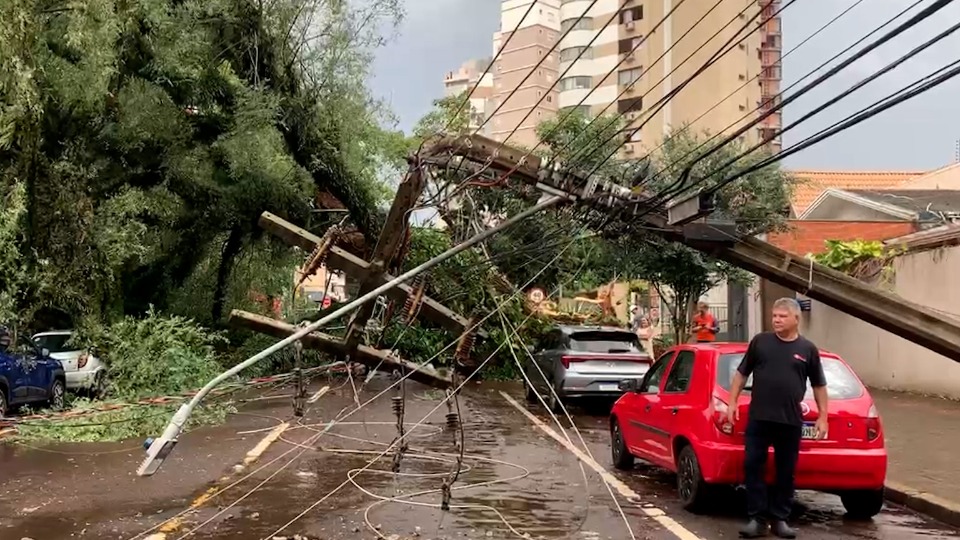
x=675, y=418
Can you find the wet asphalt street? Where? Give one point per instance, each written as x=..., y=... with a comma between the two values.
x=514, y=481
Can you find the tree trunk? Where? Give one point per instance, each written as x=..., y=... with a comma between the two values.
x=231, y=248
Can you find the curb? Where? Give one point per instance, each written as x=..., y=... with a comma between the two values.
x=926, y=503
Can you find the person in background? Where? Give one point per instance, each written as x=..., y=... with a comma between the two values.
x=635, y=316
x=645, y=333
x=705, y=325
x=781, y=362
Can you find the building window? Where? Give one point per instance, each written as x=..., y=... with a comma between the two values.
x=630, y=76
x=571, y=54
x=575, y=83
x=631, y=15
x=629, y=105
x=630, y=45
x=549, y=99
x=577, y=23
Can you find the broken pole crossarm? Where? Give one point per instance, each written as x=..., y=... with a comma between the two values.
x=159, y=449
x=349, y=263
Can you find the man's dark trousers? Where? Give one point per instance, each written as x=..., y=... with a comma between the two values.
x=785, y=440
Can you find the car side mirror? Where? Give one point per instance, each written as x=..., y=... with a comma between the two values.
x=44, y=352
x=629, y=385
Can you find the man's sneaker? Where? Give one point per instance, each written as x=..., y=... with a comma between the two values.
x=782, y=530
x=753, y=529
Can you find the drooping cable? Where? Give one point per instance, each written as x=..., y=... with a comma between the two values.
x=927, y=12
x=911, y=91
x=650, y=113
x=686, y=127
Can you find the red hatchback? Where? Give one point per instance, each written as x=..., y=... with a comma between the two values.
x=676, y=418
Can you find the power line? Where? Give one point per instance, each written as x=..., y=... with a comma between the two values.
x=466, y=98
x=610, y=72
x=655, y=62
x=539, y=63
x=911, y=91
x=779, y=63
x=886, y=69
x=730, y=44
x=913, y=21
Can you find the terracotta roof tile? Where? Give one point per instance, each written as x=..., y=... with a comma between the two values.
x=810, y=184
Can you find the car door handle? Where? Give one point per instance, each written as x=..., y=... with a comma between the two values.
x=674, y=411
x=646, y=409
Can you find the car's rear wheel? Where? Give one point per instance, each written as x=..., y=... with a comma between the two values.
x=554, y=401
x=531, y=394
x=622, y=458
x=57, y=397
x=862, y=504
x=691, y=487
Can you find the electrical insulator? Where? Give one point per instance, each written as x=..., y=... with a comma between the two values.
x=414, y=299
x=319, y=254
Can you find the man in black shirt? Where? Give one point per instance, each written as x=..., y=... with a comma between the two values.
x=781, y=363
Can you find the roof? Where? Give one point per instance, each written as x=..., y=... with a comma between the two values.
x=810, y=184
x=810, y=236
x=920, y=201
x=724, y=347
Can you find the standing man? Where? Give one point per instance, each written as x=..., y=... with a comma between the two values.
x=781, y=363
x=705, y=326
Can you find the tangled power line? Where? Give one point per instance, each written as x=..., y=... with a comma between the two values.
x=451, y=467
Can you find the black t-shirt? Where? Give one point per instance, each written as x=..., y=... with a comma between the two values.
x=780, y=372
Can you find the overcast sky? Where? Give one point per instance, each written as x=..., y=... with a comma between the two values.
x=438, y=35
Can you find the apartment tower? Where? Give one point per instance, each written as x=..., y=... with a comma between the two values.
x=534, y=100
x=656, y=60
x=473, y=75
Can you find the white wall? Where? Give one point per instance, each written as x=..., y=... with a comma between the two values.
x=883, y=360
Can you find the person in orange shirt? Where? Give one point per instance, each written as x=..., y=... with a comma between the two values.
x=705, y=326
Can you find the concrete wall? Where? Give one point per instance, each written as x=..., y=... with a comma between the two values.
x=882, y=359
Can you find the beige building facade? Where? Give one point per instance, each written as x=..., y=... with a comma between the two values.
x=630, y=64
x=473, y=76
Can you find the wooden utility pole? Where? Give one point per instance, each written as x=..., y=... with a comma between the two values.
x=890, y=312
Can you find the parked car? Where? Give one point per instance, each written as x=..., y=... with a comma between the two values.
x=84, y=371
x=28, y=375
x=676, y=418
x=584, y=361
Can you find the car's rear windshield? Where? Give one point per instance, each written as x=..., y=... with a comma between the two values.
x=841, y=382
x=598, y=341
x=56, y=343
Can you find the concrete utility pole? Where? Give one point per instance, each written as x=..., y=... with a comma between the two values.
x=890, y=312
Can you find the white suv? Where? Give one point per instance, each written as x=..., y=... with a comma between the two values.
x=84, y=371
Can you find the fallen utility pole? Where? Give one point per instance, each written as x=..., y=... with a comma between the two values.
x=160, y=448
x=367, y=356
x=340, y=259
x=890, y=312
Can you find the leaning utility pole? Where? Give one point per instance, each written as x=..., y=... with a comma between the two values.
x=885, y=310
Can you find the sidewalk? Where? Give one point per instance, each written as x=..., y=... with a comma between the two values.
x=923, y=437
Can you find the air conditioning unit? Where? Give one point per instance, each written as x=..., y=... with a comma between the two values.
x=631, y=116
x=628, y=149
x=629, y=89
x=629, y=57
x=630, y=25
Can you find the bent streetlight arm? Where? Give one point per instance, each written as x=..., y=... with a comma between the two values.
x=159, y=449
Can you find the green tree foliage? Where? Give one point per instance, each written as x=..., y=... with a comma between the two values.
x=140, y=140
x=756, y=203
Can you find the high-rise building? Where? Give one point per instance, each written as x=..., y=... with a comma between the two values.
x=537, y=98
x=665, y=56
x=473, y=76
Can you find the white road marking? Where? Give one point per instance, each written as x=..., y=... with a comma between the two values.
x=624, y=490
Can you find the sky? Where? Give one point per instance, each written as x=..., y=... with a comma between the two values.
x=439, y=35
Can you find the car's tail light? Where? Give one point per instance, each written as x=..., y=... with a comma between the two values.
x=720, y=410
x=567, y=360
x=82, y=361
x=873, y=424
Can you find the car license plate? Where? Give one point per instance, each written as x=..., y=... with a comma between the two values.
x=609, y=387
x=809, y=431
